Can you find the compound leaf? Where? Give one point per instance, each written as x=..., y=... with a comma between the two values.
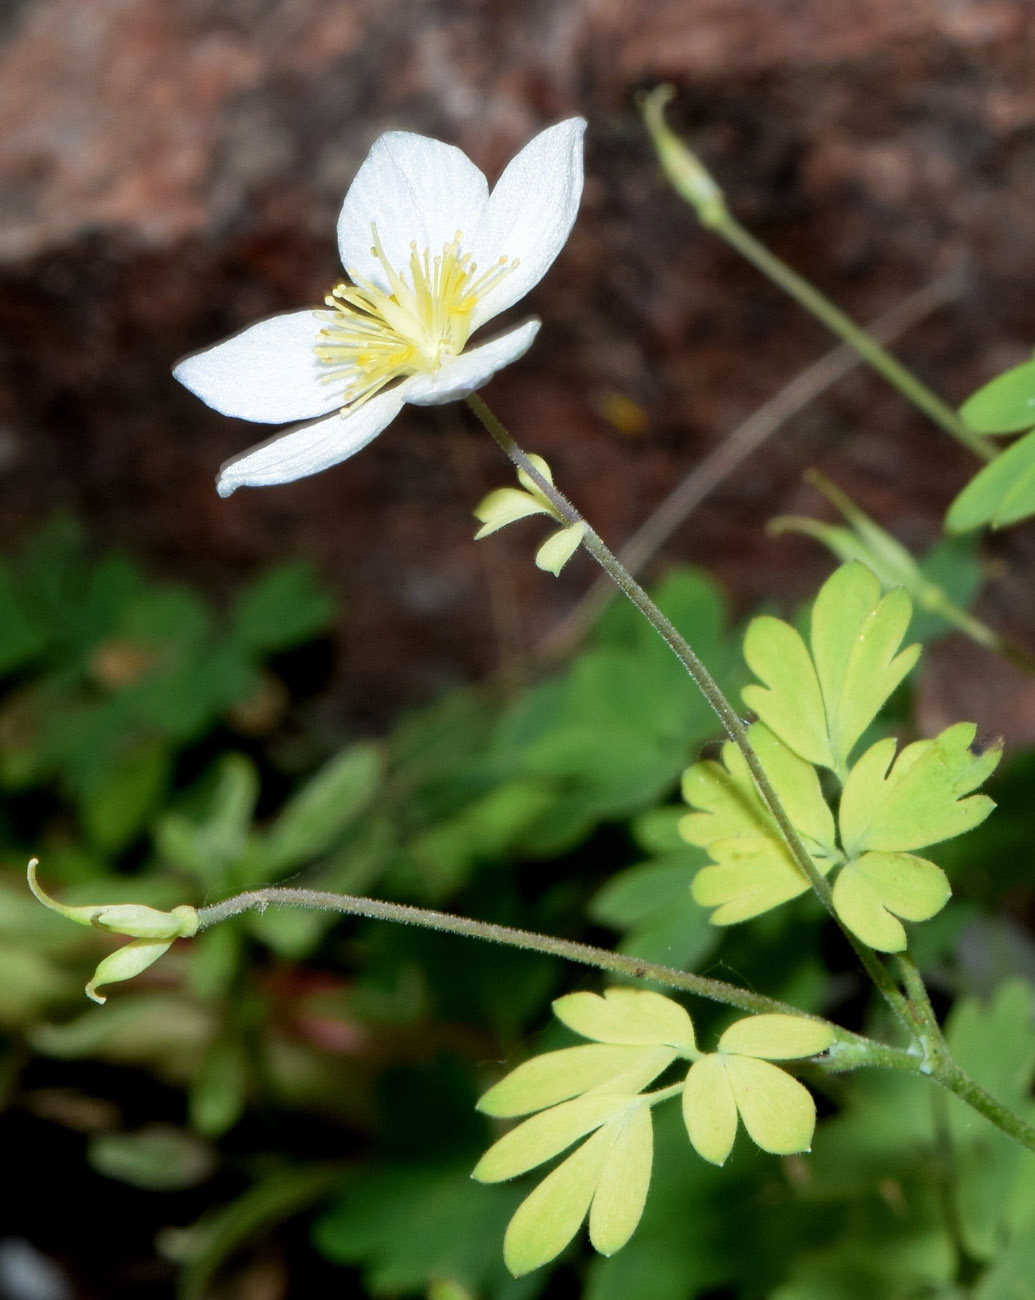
x=820, y=703
x=778, y=1112
x=547, y=1134
x=856, y=634
x=874, y=889
x=919, y=801
x=621, y=1191
x=790, y=702
x=557, y=1076
x=753, y=869
x=627, y=1016
x=777, y=1037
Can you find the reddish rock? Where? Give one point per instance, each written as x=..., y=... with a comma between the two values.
x=171, y=172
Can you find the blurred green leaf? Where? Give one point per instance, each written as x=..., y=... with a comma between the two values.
x=650, y=905
x=159, y=1158
x=1009, y=1277
x=211, y=843
x=163, y=617
x=311, y=820
x=994, y=1182
x=24, y=635
x=160, y=1030
x=454, y=1228
x=1001, y=493
x=487, y=828
x=281, y=608
x=952, y=566
x=1005, y=404
x=272, y=1199
x=219, y=1089
x=116, y=806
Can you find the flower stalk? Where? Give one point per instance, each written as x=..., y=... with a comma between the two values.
x=709, y=688
x=692, y=182
x=849, y=1051
x=430, y=257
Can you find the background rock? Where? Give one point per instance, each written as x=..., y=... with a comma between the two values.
x=169, y=173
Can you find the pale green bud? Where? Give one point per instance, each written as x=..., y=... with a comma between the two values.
x=124, y=963
x=558, y=549
x=507, y=505
x=153, y=931
x=687, y=175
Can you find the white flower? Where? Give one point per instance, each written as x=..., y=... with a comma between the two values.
x=431, y=256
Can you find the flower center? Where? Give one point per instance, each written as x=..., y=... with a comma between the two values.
x=372, y=336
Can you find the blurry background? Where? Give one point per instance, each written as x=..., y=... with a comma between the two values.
x=198, y=695
x=171, y=172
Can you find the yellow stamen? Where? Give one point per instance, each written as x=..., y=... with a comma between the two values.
x=372, y=337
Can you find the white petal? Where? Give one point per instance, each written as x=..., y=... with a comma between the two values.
x=310, y=448
x=461, y=375
x=530, y=214
x=414, y=189
x=268, y=372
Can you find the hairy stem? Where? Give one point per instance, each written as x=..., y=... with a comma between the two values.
x=709, y=688
x=849, y=1052
x=920, y=1004
x=586, y=954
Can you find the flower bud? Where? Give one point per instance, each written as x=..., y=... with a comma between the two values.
x=152, y=930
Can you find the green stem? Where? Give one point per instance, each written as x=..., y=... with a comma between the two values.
x=709, y=688
x=941, y=1066
x=957, y=1081
x=849, y=1052
x=693, y=183
x=616, y=963
x=928, y=1030
x=839, y=323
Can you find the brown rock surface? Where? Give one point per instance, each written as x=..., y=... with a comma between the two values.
x=170, y=172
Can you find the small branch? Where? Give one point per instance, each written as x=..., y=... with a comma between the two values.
x=693, y=183
x=586, y=954
x=709, y=688
x=928, y=1028
x=849, y=1052
x=960, y=1084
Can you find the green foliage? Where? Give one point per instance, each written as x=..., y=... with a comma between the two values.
x=1004, y=405
x=598, y=1090
x=820, y=700
x=528, y=811
x=1003, y=492
x=878, y=1174
x=815, y=708
x=753, y=868
x=941, y=584
x=107, y=675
